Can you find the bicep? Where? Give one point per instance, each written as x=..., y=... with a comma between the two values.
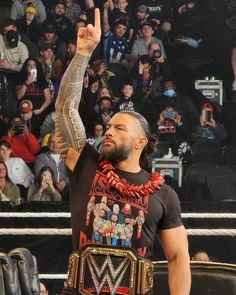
x=174, y=242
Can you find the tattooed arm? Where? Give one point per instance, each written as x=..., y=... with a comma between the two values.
x=70, y=131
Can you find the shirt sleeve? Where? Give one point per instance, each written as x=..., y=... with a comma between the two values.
x=171, y=215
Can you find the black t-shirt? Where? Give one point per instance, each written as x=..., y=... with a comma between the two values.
x=101, y=215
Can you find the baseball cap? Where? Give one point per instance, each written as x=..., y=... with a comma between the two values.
x=12, y=38
x=30, y=9
x=60, y=2
x=207, y=105
x=25, y=106
x=143, y=8
x=49, y=27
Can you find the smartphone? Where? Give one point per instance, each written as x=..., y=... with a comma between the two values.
x=207, y=115
x=169, y=115
x=33, y=73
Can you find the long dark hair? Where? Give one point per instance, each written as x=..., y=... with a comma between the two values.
x=7, y=176
x=40, y=178
x=40, y=72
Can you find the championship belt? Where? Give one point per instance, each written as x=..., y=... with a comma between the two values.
x=98, y=269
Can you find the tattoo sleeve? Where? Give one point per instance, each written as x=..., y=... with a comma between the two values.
x=69, y=129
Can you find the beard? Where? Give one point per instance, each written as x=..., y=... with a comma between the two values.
x=115, y=153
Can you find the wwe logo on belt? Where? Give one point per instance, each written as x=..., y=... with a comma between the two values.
x=107, y=277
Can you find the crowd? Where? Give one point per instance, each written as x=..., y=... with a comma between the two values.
x=133, y=68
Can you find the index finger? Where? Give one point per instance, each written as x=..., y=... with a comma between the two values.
x=97, y=24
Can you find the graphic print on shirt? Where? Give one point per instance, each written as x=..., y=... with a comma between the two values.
x=114, y=218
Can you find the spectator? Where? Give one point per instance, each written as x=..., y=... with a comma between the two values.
x=128, y=101
x=32, y=85
x=141, y=16
x=52, y=67
x=64, y=27
x=8, y=191
x=43, y=289
x=28, y=25
x=171, y=129
x=201, y=256
x=104, y=110
x=13, y=52
x=121, y=12
x=49, y=38
x=71, y=51
x=18, y=171
x=24, y=144
x=161, y=13
x=73, y=9
x=52, y=159
x=97, y=139
x=182, y=103
x=207, y=128
x=44, y=189
x=9, y=24
x=140, y=46
x=19, y=6
x=116, y=45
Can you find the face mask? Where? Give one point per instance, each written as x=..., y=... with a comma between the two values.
x=169, y=93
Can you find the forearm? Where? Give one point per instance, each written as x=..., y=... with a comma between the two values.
x=68, y=125
x=20, y=91
x=179, y=275
x=47, y=100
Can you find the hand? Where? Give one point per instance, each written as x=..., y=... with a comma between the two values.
x=157, y=21
x=140, y=68
x=26, y=129
x=60, y=185
x=11, y=131
x=106, y=5
x=102, y=68
x=106, y=118
x=202, y=120
x=5, y=64
x=37, y=112
x=43, y=185
x=89, y=37
x=161, y=59
x=30, y=79
x=211, y=123
x=177, y=119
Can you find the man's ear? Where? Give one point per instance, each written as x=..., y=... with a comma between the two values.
x=141, y=142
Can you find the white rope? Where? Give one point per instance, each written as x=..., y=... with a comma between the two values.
x=68, y=231
x=53, y=276
x=211, y=232
x=68, y=215
x=36, y=231
x=35, y=214
x=208, y=215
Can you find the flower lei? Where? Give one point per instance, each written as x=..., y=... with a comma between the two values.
x=127, y=189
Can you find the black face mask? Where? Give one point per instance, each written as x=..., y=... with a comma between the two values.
x=12, y=38
x=106, y=111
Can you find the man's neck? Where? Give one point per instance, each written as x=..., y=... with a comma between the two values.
x=128, y=166
x=147, y=40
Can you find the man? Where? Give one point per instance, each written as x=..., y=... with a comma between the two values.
x=140, y=46
x=73, y=10
x=118, y=177
x=65, y=29
x=50, y=38
x=13, y=52
x=52, y=159
x=116, y=45
x=19, y=6
x=24, y=144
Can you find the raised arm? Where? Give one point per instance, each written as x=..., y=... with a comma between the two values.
x=70, y=133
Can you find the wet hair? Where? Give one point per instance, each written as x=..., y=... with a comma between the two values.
x=142, y=121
